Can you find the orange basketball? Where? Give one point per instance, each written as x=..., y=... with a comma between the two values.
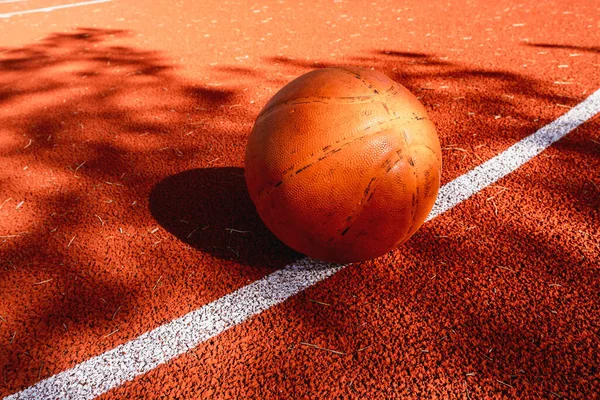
x=343, y=164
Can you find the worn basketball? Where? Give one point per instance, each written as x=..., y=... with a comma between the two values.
x=343, y=164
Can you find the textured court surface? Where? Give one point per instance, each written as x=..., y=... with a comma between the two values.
x=123, y=205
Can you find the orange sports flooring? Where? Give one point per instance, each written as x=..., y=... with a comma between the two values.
x=123, y=206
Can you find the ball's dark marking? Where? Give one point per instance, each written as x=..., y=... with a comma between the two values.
x=303, y=168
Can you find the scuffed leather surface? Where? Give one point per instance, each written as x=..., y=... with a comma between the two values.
x=343, y=164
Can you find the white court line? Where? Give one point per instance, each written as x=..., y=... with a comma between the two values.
x=52, y=8
x=107, y=371
x=12, y=1
x=515, y=156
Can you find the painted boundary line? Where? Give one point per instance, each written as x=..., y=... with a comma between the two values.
x=514, y=157
x=11, y=1
x=107, y=371
x=52, y=8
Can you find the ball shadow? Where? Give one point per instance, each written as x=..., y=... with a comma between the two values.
x=210, y=210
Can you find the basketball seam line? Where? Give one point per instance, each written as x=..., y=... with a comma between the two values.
x=410, y=158
x=430, y=149
x=352, y=219
x=288, y=174
x=328, y=100
x=373, y=184
x=364, y=80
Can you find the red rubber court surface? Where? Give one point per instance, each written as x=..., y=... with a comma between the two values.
x=123, y=206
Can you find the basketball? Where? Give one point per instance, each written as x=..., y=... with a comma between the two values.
x=343, y=164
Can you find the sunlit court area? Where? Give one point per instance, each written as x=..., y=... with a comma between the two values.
x=317, y=199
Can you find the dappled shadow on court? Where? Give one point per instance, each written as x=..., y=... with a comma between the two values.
x=591, y=49
x=438, y=80
x=511, y=300
x=89, y=125
x=131, y=180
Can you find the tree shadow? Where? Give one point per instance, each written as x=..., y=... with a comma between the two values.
x=112, y=128
x=590, y=49
x=528, y=300
x=210, y=210
x=88, y=129
x=413, y=69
